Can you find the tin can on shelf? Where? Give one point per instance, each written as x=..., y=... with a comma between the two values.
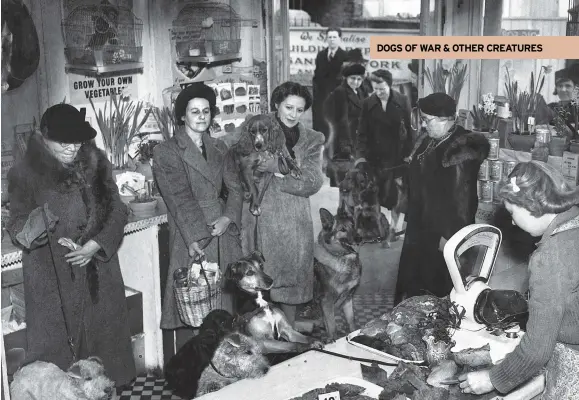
x=483, y=172
x=508, y=167
x=485, y=191
x=543, y=135
x=496, y=188
x=496, y=170
x=494, y=150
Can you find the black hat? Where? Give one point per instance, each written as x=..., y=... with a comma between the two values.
x=64, y=123
x=195, y=90
x=438, y=105
x=385, y=75
x=355, y=55
x=354, y=69
x=567, y=74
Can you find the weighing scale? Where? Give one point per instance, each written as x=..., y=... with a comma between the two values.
x=470, y=256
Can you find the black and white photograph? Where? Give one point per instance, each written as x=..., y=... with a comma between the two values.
x=247, y=200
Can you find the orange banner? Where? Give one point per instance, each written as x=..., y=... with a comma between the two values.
x=473, y=47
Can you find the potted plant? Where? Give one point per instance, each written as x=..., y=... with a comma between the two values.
x=524, y=108
x=566, y=126
x=119, y=124
x=449, y=81
x=145, y=158
x=484, y=115
x=165, y=118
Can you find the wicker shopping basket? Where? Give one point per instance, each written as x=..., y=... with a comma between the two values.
x=194, y=301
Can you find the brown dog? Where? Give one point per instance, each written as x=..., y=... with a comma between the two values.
x=337, y=267
x=261, y=139
x=267, y=324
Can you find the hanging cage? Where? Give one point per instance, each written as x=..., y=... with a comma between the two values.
x=103, y=38
x=573, y=18
x=207, y=32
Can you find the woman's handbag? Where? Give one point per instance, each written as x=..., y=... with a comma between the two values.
x=195, y=301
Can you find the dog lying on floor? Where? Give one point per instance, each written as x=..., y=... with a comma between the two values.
x=84, y=380
x=359, y=200
x=337, y=267
x=267, y=323
x=184, y=369
x=261, y=139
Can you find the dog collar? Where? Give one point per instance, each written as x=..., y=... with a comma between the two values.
x=219, y=372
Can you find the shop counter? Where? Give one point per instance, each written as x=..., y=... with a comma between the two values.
x=313, y=370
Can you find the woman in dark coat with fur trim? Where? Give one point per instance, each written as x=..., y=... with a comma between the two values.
x=442, y=196
x=65, y=175
x=343, y=108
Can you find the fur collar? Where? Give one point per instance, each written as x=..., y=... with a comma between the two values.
x=90, y=172
x=465, y=146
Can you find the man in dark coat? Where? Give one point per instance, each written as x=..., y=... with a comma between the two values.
x=326, y=77
x=64, y=175
x=442, y=198
x=384, y=135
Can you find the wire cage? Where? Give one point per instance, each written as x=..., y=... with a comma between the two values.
x=103, y=37
x=207, y=32
x=573, y=18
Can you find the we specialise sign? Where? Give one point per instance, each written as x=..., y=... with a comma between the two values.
x=83, y=88
x=306, y=42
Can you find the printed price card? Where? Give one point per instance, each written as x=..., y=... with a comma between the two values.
x=329, y=396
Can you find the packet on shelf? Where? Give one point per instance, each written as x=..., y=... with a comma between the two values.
x=134, y=180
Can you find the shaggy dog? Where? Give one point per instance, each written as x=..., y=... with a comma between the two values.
x=184, y=369
x=84, y=380
x=261, y=139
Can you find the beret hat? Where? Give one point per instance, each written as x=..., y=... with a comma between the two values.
x=195, y=90
x=438, y=105
x=354, y=69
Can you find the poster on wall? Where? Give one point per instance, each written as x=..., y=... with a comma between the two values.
x=81, y=87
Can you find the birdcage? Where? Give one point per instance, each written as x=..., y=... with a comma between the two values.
x=207, y=32
x=102, y=38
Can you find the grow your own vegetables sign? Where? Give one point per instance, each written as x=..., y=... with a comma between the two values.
x=83, y=88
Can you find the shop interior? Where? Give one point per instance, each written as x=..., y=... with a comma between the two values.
x=243, y=55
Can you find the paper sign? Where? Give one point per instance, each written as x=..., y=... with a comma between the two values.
x=81, y=88
x=329, y=396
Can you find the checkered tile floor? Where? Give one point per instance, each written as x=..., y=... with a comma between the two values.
x=366, y=308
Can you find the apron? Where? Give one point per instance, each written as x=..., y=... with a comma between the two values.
x=562, y=375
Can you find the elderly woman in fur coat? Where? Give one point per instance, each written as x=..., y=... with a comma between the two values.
x=285, y=228
x=442, y=196
x=66, y=181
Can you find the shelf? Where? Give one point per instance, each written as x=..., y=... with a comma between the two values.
x=210, y=59
x=93, y=70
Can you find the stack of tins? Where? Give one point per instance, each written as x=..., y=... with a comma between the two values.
x=492, y=172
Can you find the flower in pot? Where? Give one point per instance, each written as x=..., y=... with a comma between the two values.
x=449, y=81
x=119, y=124
x=145, y=157
x=143, y=206
x=166, y=121
x=484, y=115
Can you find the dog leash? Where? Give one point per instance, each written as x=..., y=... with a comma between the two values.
x=368, y=360
x=70, y=338
x=219, y=372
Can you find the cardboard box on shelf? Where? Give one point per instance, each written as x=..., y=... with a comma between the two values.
x=570, y=167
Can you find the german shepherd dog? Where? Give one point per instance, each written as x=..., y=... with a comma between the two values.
x=337, y=267
x=261, y=139
x=267, y=324
x=359, y=200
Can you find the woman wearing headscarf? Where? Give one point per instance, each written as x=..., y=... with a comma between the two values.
x=75, y=300
x=191, y=169
x=285, y=232
x=442, y=196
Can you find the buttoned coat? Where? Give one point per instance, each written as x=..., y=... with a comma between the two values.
x=327, y=76
x=343, y=108
x=191, y=186
x=285, y=227
x=86, y=201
